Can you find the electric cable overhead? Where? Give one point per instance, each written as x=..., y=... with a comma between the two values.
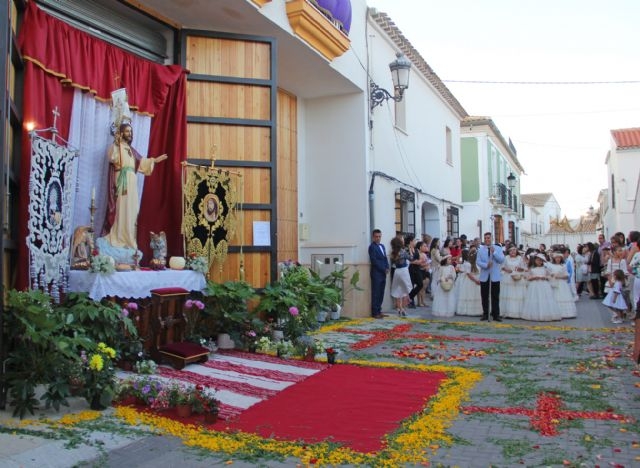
x=543, y=82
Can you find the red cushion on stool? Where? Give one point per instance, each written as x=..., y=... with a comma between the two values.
x=184, y=349
x=167, y=291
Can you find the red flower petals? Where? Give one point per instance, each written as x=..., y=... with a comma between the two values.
x=548, y=414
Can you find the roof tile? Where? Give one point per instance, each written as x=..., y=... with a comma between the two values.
x=626, y=138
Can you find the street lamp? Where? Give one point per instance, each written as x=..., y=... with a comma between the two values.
x=400, y=69
x=511, y=180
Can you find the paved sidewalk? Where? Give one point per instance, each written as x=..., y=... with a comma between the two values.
x=480, y=440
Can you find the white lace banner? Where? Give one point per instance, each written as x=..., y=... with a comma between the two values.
x=51, y=183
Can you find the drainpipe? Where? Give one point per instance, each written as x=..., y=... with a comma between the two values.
x=371, y=199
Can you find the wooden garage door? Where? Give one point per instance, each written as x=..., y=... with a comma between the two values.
x=232, y=102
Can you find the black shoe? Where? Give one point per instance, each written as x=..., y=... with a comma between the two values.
x=484, y=318
x=497, y=319
x=411, y=305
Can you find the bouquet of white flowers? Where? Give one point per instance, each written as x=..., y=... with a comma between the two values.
x=102, y=264
x=199, y=264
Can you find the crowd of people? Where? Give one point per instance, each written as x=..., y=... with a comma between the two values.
x=494, y=281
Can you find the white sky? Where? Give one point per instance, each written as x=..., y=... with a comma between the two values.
x=561, y=132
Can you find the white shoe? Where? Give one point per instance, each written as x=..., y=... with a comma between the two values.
x=616, y=320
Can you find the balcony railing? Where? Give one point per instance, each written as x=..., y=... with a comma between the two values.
x=504, y=196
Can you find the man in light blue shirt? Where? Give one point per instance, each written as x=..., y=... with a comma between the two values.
x=490, y=259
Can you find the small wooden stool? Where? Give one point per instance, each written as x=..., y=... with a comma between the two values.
x=168, y=329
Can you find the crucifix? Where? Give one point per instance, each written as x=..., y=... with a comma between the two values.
x=56, y=114
x=116, y=80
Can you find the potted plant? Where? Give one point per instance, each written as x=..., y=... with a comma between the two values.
x=335, y=283
x=99, y=377
x=145, y=389
x=46, y=342
x=205, y=403
x=211, y=410
x=284, y=348
x=226, y=310
x=291, y=303
x=331, y=354
x=192, y=312
x=185, y=399
x=146, y=366
x=310, y=347
x=265, y=345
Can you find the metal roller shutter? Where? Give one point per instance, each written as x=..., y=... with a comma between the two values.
x=115, y=23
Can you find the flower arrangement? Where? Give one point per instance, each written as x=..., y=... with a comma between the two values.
x=209, y=343
x=331, y=350
x=146, y=366
x=282, y=348
x=249, y=339
x=199, y=264
x=99, y=376
x=167, y=396
x=192, y=314
x=317, y=346
x=102, y=264
x=210, y=405
x=331, y=354
x=144, y=389
x=264, y=344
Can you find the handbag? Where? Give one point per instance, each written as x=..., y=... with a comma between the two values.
x=446, y=284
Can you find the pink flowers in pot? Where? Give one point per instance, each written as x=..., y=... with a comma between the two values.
x=189, y=303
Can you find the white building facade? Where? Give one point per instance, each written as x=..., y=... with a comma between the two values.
x=490, y=173
x=621, y=212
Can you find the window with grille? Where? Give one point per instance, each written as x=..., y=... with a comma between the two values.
x=453, y=222
x=613, y=192
x=449, y=146
x=405, y=212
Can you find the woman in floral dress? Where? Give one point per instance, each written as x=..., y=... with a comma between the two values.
x=512, y=286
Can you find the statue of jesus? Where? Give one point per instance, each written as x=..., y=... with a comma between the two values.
x=119, y=229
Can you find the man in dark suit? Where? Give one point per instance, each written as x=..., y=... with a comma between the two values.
x=378, y=273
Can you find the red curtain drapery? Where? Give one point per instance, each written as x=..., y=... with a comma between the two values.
x=58, y=58
x=88, y=63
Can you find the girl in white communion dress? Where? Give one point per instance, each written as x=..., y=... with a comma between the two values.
x=539, y=304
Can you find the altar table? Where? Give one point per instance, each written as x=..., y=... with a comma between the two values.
x=133, y=284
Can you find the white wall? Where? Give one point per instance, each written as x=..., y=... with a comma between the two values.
x=416, y=154
x=624, y=165
x=333, y=183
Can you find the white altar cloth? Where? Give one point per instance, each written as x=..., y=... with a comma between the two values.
x=133, y=284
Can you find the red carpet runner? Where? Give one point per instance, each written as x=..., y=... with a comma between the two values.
x=352, y=405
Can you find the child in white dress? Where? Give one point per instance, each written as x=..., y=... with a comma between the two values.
x=513, y=286
x=614, y=299
x=444, y=302
x=468, y=285
x=539, y=304
x=561, y=289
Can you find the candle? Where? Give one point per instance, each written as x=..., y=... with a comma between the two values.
x=93, y=194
